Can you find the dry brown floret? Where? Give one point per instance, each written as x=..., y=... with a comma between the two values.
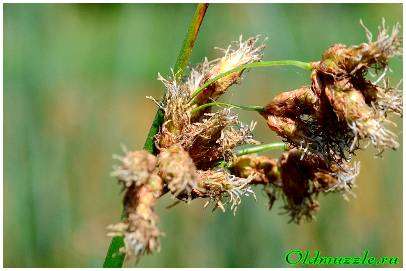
x=177, y=170
x=261, y=169
x=293, y=103
x=223, y=188
x=305, y=175
x=139, y=229
x=136, y=168
x=243, y=52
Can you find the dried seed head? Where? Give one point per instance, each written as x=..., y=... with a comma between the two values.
x=140, y=229
x=299, y=194
x=262, y=169
x=233, y=136
x=136, y=168
x=222, y=188
x=305, y=175
x=177, y=113
x=293, y=103
x=178, y=170
x=319, y=132
x=244, y=52
x=214, y=137
x=342, y=108
x=365, y=121
x=389, y=99
x=340, y=60
x=207, y=139
x=142, y=236
x=362, y=104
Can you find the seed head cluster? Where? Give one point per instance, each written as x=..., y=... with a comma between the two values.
x=323, y=125
x=341, y=108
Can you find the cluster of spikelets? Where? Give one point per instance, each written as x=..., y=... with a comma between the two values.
x=322, y=124
x=341, y=107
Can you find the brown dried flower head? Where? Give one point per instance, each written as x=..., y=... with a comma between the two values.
x=305, y=175
x=223, y=188
x=262, y=169
x=341, y=107
x=177, y=170
x=207, y=137
x=140, y=229
x=136, y=168
x=237, y=54
x=342, y=61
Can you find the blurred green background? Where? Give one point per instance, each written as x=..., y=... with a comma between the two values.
x=75, y=81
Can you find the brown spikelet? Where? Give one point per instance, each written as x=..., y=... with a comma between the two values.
x=342, y=108
x=293, y=103
x=262, y=169
x=243, y=53
x=136, y=168
x=139, y=229
x=340, y=60
x=305, y=175
x=223, y=188
x=177, y=170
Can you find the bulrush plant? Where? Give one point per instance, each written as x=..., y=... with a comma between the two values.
x=204, y=151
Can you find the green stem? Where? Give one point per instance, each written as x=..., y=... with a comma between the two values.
x=299, y=64
x=261, y=148
x=190, y=39
x=243, y=107
x=114, y=257
x=179, y=68
x=254, y=149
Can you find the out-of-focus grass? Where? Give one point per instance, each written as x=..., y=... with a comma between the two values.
x=75, y=81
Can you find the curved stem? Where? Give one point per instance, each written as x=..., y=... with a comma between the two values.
x=299, y=64
x=261, y=148
x=243, y=107
x=114, y=257
x=254, y=149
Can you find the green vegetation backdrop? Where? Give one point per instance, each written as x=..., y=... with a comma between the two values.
x=75, y=81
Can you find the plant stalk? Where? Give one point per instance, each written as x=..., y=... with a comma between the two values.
x=256, y=108
x=261, y=148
